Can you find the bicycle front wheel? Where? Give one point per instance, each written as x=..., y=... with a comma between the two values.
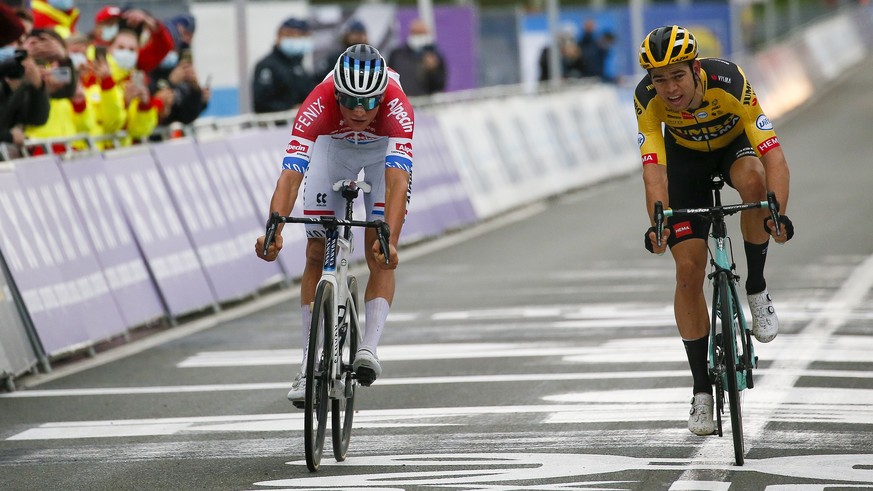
x=727, y=311
x=317, y=373
x=343, y=408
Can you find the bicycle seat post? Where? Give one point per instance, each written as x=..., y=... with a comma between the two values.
x=719, y=229
x=349, y=192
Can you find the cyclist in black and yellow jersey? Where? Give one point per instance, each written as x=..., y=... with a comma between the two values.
x=698, y=118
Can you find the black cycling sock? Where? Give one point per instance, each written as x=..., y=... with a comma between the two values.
x=698, y=351
x=756, y=256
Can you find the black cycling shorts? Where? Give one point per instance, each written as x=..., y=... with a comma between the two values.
x=689, y=182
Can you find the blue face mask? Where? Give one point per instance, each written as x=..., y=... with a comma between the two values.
x=61, y=4
x=170, y=61
x=108, y=33
x=295, y=46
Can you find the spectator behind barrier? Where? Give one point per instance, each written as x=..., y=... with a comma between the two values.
x=59, y=77
x=141, y=112
x=571, y=64
x=23, y=96
x=158, y=41
x=418, y=61
x=175, y=82
x=280, y=79
x=59, y=15
x=355, y=32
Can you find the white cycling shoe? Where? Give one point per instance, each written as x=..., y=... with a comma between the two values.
x=700, y=422
x=298, y=389
x=366, y=366
x=765, y=324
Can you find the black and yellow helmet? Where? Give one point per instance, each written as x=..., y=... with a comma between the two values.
x=667, y=45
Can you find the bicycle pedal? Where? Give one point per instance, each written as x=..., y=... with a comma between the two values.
x=298, y=404
x=365, y=376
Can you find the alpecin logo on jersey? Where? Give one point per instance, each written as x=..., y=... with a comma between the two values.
x=400, y=114
x=405, y=148
x=682, y=229
x=296, y=146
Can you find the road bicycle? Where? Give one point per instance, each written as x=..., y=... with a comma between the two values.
x=335, y=333
x=731, y=354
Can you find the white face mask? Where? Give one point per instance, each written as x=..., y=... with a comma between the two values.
x=170, y=61
x=418, y=41
x=109, y=32
x=125, y=58
x=295, y=46
x=78, y=59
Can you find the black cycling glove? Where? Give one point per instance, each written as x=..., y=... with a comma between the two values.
x=787, y=226
x=648, y=241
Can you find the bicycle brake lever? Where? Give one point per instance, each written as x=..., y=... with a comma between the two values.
x=270, y=234
x=659, y=221
x=384, y=233
x=774, y=211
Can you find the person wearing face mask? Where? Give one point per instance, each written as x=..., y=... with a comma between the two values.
x=110, y=20
x=140, y=109
x=281, y=82
x=60, y=15
x=421, y=66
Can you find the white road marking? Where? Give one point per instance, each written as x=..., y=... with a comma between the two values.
x=398, y=381
x=800, y=405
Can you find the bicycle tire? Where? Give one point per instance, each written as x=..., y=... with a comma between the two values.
x=343, y=408
x=317, y=373
x=729, y=344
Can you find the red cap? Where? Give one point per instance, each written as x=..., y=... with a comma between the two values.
x=108, y=13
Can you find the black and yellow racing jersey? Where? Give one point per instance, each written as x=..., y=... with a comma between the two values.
x=729, y=108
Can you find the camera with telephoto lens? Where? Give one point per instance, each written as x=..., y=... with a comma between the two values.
x=12, y=68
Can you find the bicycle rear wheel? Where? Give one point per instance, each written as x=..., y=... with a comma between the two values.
x=343, y=408
x=317, y=373
x=727, y=311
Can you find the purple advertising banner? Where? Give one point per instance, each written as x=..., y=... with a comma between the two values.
x=224, y=261
x=114, y=246
x=258, y=155
x=72, y=279
x=57, y=324
x=239, y=212
x=437, y=189
x=159, y=231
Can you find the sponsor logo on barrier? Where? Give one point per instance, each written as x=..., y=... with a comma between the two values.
x=682, y=229
x=763, y=123
x=306, y=116
x=767, y=145
x=296, y=146
x=400, y=114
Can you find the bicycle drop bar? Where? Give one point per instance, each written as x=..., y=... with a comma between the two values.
x=660, y=213
x=382, y=229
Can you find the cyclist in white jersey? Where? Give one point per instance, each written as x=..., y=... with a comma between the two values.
x=365, y=122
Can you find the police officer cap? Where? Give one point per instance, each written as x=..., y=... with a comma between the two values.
x=295, y=23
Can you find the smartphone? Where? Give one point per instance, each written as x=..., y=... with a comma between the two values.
x=185, y=55
x=100, y=53
x=62, y=74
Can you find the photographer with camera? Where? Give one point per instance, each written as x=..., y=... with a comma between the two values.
x=23, y=97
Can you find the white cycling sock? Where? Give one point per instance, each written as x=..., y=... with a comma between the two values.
x=306, y=321
x=377, y=313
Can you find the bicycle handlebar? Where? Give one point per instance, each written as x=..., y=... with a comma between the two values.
x=660, y=213
x=382, y=229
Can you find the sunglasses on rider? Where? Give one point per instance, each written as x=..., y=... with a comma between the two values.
x=369, y=103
